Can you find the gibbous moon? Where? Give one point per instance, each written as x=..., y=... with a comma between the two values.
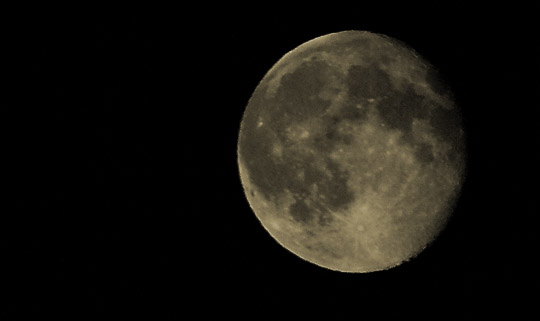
x=351, y=152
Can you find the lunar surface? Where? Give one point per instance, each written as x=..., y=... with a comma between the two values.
x=351, y=152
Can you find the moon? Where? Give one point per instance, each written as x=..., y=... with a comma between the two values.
x=351, y=152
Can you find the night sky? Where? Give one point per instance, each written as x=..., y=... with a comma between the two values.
x=123, y=196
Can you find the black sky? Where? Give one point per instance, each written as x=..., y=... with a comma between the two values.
x=123, y=195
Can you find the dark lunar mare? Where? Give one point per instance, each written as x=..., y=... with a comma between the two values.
x=398, y=107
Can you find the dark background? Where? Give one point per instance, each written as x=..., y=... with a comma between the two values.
x=122, y=194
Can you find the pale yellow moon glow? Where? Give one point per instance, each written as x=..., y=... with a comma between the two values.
x=351, y=152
